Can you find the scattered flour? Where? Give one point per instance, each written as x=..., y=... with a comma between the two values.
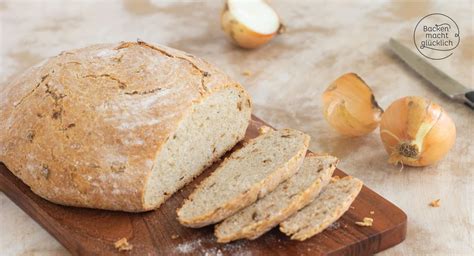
x=334, y=226
x=188, y=247
x=238, y=248
x=213, y=252
x=106, y=53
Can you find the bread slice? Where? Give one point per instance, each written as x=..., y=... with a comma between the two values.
x=290, y=196
x=248, y=174
x=328, y=207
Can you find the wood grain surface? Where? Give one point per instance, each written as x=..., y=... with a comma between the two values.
x=93, y=232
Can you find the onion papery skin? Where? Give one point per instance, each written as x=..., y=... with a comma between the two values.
x=350, y=106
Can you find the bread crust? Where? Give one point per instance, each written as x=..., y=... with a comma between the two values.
x=256, y=191
x=83, y=128
x=256, y=229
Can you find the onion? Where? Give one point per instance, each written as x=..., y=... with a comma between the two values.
x=416, y=131
x=350, y=107
x=249, y=23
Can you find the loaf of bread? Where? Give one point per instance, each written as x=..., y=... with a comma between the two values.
x=290, y=196
x=246, y=175
x=118, y=126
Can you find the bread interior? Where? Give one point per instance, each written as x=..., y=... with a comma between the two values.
x=213, y=127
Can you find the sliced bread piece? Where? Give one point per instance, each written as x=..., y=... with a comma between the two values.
x=247, y=174
x=290, y=196
x=328, y=207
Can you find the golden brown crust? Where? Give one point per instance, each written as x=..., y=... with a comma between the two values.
x=84, y=127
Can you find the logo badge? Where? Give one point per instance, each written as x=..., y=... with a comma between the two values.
x=436, y=36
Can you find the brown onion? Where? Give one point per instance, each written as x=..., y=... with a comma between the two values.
x=249, y=23
x=416, y=131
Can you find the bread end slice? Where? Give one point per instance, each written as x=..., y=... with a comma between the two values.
x=328, y=207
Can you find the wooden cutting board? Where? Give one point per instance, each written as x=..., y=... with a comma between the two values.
x=93, y=232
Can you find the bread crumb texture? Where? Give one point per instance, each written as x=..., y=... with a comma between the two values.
x=289, y=197
x=326, y=209
x=247, y=174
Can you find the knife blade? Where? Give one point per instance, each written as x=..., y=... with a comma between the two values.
x=435, y=76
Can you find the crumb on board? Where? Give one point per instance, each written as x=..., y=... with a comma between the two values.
x=366, y=222
x=174, y=237
x=435, y=203
x=264, y=129
x=372, y=212
x=352, y=207
x=123, y=245
x=246, y=73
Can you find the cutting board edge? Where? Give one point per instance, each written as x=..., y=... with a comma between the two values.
x=54, y=229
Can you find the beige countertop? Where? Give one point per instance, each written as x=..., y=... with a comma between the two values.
x=324, y=40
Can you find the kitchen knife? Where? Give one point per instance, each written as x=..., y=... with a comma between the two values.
x=438, y=78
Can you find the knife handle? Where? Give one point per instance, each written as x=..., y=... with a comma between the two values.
x=469, y=99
